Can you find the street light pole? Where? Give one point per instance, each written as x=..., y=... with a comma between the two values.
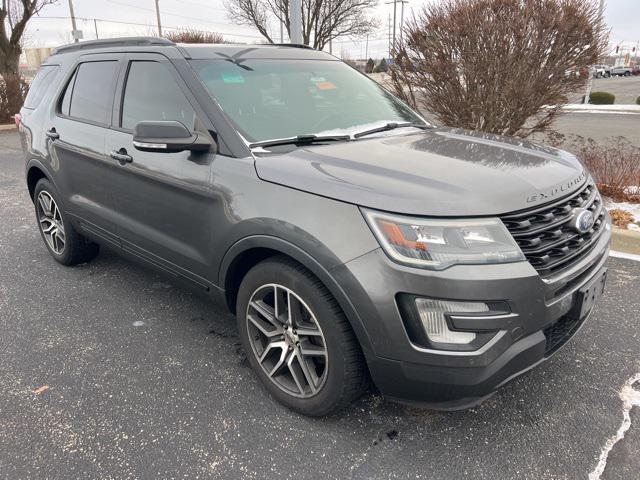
x=592, y=70
x=158, y=18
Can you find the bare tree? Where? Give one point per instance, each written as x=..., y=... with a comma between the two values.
x=14, y=16
x=499, y=66
x=322, y=20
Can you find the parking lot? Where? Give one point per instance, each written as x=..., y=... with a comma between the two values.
x=626, y=89
x=107, y=370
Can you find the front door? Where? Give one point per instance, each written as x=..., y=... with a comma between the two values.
x=77, y=133
x=165, y=200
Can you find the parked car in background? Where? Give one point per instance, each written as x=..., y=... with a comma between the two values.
x=635, y=70
x=602, y=71
x=621, y=71
x=351, y=239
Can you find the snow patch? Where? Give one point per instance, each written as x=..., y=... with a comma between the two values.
x=630, y=398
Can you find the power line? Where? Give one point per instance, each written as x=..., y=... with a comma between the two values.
x=106, y=20
x=171, y=14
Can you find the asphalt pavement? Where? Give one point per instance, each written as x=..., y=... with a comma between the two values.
x=107, y=370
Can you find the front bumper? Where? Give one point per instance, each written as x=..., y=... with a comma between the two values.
x=414, y=373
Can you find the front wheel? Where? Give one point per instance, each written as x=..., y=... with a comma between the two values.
x=297, y=339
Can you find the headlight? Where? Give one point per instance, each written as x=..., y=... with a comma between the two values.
x=437, y=244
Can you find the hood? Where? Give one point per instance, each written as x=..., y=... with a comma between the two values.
x=439, y=172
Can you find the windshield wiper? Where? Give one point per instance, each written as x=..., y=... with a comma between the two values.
x=392, y=126
x=300, y=139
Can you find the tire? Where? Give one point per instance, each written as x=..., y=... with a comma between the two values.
x=339, y=377
x=627, y=74
x=65, y=245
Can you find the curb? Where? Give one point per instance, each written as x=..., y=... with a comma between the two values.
x=625, y=241
x=8, y=126
x=609, y=109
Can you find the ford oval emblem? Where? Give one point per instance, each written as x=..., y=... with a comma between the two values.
x=582, y=220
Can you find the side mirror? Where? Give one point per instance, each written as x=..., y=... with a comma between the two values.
x=169, y=137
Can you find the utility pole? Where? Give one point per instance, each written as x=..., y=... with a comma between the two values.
x=74, y=30
x=158, y=17
x=331, y=39
x=95, y=26
x=295, y=14
x=389, y=42
x=366, y=48
x=281, y=31
x=592, y=70
x=395, y=2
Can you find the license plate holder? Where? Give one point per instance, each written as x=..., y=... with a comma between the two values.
x=589, y=295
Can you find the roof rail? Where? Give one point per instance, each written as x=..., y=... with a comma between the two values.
x=292, y=45
x=113, y=42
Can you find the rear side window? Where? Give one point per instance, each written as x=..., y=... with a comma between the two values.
x=88, y=95
x=152, y=93
x=45, y=77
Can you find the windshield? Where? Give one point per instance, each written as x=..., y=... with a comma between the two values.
x=269, y=99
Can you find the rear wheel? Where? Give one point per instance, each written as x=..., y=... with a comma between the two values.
x=297, y=339
x=65, y=245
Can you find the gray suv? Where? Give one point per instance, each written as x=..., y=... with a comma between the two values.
x=353, y=241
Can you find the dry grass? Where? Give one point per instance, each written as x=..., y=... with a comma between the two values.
x=620, y=218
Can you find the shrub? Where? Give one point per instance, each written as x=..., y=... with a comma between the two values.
x=638, y=101
x=13, y=91
x=371, y=65
x=614, y=163
x=382, y=67
x=602, y=98
x=190, y=35
x=494, y=65
x=620, y=218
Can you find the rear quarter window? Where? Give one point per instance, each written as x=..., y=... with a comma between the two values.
x=46, y=76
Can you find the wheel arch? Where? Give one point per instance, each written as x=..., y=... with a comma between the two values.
x=251, y=250
x=35, y=173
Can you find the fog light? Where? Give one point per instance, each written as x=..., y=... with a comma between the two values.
x=432, y=315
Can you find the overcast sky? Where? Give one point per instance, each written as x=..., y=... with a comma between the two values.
x=53, y=27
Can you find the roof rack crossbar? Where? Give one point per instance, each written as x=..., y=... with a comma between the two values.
x=114, y=42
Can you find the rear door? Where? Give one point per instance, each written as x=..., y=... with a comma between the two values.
x=85, y=174
x=164, y=199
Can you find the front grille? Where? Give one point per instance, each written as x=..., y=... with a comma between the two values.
x=560, y=332
x=544, y=234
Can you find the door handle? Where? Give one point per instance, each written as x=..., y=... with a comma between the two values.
x=121, y=156
x=52, y=134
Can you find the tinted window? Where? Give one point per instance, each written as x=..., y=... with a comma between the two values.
x=45, y=77
x=151, y=93
x=66, y=100
x=91, y=96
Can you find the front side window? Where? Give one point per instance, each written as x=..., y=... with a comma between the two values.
x=152, y=94
x=88, y=94
x=267, y=99
x=45, y=77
